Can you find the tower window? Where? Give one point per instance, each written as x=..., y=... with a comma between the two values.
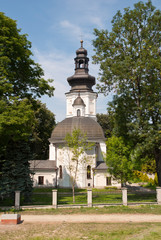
x=60, y=172
x=88, y=172
x=78, y=113
x=81, y=64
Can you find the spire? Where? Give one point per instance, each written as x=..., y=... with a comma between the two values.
x=81, y=80
x=81, y=41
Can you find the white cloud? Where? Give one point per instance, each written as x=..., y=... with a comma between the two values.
x=57, y=66
x=74, y=31
x=96, y=21
x=71, y=28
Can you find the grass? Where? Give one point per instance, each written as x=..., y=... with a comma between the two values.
x=88, y=231
x=43, y=196
x=132, y=209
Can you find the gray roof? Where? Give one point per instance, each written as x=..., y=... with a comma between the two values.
x=101, y=166
x=42, y=164
x=87, y=125
x=78, y=101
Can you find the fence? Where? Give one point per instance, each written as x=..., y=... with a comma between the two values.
x=93, y=197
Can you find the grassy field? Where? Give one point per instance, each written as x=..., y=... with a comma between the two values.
x=88, y=231
x=132, y=209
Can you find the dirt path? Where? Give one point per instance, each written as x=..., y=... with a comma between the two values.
x=102, y=218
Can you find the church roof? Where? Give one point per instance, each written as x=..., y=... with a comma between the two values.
x=42, y=165
x=101, y=166
x=79, y=101
x=87, y=125
x=81, y=80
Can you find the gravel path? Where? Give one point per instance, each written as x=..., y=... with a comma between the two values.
x=116, y=218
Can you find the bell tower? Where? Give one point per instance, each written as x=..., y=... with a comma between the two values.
x=81, y=88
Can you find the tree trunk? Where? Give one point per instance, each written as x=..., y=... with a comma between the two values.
x=73, y=194
x=157, y=153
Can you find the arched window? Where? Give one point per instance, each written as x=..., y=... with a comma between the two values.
x=78, y=112
x=60, y=172
x=88, y=172
x=81, y=64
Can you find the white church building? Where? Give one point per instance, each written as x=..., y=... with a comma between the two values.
x=80, y=114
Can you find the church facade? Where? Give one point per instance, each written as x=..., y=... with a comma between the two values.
x=80, y=114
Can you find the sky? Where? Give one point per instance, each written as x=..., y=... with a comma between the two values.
x=55, y=28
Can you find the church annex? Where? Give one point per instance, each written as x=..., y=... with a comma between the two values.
x=80, y=114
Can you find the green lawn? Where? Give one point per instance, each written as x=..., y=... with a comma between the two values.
x=43, y=196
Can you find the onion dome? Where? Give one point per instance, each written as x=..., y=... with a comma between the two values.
x=87, y=125
x=81, y=52
x=81, y=80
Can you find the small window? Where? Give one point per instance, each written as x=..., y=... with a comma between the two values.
x=108, y=181
x=88, y=172
x=41, y=180
x=78, y=113
x=60, y=172
x=81, y=64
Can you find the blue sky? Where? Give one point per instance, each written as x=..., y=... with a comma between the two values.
x=55, y=28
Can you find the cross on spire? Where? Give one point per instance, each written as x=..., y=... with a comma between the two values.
x=81, y=41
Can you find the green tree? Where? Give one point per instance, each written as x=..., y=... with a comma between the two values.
x=77, y=144
x=19, y=74
x=129, y=58
x=16, y=123
x=16, y=173
x=21, y=81
x=45, y=122
x=119, y=159
x=105, y=122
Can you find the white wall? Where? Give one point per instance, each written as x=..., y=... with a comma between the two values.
x=64, y=159
x=89, y=99
x=49, y=178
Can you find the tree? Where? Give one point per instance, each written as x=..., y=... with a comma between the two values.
x=77, y=144
x=16, y=173
x=21, y=81
x=16, y=123
x=19, y=74
x=45, y=122
x=105, y=122
x=129, y=58
x=119, y=159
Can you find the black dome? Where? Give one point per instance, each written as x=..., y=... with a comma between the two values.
x=87, y=125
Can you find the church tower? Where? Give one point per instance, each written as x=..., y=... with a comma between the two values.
x=81, y=100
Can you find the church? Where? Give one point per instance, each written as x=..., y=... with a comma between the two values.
x=80, y=114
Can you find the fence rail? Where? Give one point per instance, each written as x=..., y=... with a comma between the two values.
x=90, y=197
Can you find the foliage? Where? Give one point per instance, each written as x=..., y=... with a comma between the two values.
x=16, y=174
x=129, y=58
x=77, y=143
x=44, y=124
x=16, y=119
x=119, y=159
x=106, y=123
x=20, y=75
x=21, y=81
x=143, y=177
